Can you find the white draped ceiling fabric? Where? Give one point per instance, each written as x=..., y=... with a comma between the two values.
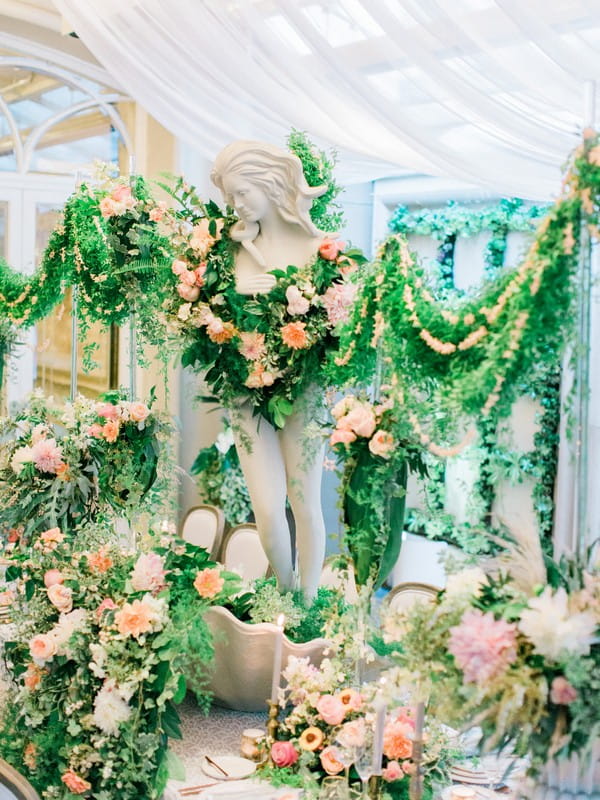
x=486, y=91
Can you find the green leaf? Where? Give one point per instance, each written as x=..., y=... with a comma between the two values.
x=181, y=690
x=171, y=721
x=175, y=766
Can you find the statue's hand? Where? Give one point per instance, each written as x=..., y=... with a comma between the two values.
x=256, y=284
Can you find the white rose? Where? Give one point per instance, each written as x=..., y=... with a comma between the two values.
x=21, y=457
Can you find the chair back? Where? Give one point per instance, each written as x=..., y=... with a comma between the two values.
x=203, y=526
x=403, y=596
x=13, y=786
x=243, y=552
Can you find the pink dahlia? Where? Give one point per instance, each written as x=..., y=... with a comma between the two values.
x=252, y=345
x=338, y=300
x=482, y=646
x=47, y=455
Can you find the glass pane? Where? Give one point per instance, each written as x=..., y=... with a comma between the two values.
x=53, y=372
x=8, y=161
x=3, y=229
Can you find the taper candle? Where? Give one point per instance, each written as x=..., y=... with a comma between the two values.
x=277, y=656
x=380, y=713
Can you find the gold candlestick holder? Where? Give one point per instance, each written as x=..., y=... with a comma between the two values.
x=272, y=728
x=375, y=787
x=415, y=786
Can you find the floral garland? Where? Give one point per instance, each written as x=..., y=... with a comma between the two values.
x=102, y=456
x=469, y=356
x=106, y=643
x=266, y=348
x=448, y=224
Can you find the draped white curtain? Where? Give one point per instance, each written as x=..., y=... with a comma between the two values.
x=488, y=91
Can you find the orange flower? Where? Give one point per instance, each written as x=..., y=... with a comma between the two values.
x=396, y=741
x=29, y=756
x=99, y=562
x=208, y=582
x=351, y=698
x=294, y=335
x=134, y=619
x=62, y=471
x=110, y=430
x=75, y=783
x=220, y=332
x=311, y=738
x=33, y=677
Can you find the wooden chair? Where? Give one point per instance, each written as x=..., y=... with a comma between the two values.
x=405, y=595
x=13, y=786
x=243, y=552
x=203, y=526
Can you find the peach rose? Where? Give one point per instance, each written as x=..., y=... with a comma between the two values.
x=158, y=212
x=382, y=444
x=311, y=738
x=108, y=207
x=53, y=576
x=360, y=419
x=343, y=406
x=351, y=699
x=179, y=267
x=219, y=331
x=138, y=412
x=393, y=772
x=107, y=411
x=110, y=430
x=61, y=597
x=33, y=676
x=7, y=597
x=330, y=760
x=95, y=430
x=331, y=709
x=134, y=619
x=397, y=743
x=284, y=754
x=188, y=293
x=208, y=582
x=122, y=194
x=42, y=648
x=199, y=273
x=75, y=783
x=30, y=755
x=352, y=734
x=561, y=691
x=330, y=249
x=188, y=277
x=342, y=437
x=100, y=561
x=294, y=335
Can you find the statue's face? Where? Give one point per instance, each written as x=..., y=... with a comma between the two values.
x=249, y=200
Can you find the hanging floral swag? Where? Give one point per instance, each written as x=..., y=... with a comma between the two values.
x=467, y=357
x=266, y=348
x=107, y=642
x=99, y=457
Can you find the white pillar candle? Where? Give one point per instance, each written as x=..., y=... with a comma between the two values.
x=277, y=656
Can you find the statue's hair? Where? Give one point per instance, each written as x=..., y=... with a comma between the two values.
x=279, y=173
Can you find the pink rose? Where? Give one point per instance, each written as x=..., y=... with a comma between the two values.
x=107, y=411
x=330, y=249
x=393, y=771
x=189, y=293
x=61, y=597
x=330, y=760
x=122, y=194
x=208, y=582
x=561, y=691
x=95, y=430
x=342, y=437
x=52, y=577
x=360, y=419
x=42, y=648
x=284, y=754
x=106, y=605
x=179, y=267
x=199, y=273
x=381, y=444
x=331, y=709
x=188, y=277
x=148, y=573
x=138, y=412
x=158, y=212
x=338, y=300
x=297, y=303
x=108, y=208
x=352, y=734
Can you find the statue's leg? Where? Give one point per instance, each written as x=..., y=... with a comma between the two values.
x=262, y=463
x=304, y=466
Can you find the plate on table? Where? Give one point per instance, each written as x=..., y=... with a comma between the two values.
x=479, y=792
x=469, y=775
x=248, y=790
x=235, y=767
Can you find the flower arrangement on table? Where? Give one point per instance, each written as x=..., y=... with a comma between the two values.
x=107, y=642
x=516, y=653
x=266, y=348
x=99, y=456
x=374, y=450
x=331, y=724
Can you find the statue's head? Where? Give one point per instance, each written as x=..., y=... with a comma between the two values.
x=264, y=174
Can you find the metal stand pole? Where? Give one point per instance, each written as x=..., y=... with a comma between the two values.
x=582, y=370
x=74, y=324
